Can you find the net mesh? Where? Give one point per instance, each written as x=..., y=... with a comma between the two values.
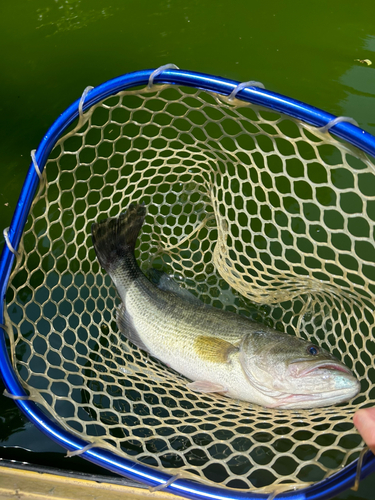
x=250, y=210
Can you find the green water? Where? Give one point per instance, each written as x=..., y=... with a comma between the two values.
x=52, y=50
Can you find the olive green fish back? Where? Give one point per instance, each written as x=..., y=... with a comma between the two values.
x=251, y=211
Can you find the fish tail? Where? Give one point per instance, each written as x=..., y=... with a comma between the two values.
x=114, y=239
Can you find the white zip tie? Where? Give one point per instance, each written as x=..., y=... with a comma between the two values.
x=9, y=244
x=12, y=396
x=157, y=72
x=82, y=117
x=79, y=452
x=36, y=166
x=162, y=486
x=242, y=85
x=82, y=100
x=335, y=121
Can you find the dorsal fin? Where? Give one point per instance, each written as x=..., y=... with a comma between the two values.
x=168, y=284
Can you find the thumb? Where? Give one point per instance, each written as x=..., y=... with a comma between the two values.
x=364, y=420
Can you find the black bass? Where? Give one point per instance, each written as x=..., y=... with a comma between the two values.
x=219, y=351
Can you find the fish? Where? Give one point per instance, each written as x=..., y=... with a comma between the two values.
x=218, y=351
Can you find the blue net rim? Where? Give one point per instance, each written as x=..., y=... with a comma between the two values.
x=322, y=490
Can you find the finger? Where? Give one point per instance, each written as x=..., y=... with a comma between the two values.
x=364, y=420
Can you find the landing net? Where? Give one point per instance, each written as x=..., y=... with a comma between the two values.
x=251, y=210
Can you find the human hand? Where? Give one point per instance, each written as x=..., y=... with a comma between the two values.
x=364, y=420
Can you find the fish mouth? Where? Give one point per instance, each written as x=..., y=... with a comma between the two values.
x=302, y=368
x=304, y=401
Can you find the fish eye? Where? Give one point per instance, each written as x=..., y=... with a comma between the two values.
x=313, y=350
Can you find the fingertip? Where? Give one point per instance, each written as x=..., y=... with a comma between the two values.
x=367, y=414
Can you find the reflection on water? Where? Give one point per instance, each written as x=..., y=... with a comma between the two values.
x=54, y=458
x=359, y=81
x=12, y=421
x=68, y=15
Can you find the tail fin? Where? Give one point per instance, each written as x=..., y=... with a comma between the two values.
x=114, y=238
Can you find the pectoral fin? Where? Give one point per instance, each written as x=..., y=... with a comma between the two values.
x=205, y=387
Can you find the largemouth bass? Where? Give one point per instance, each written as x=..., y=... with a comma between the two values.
x=218, y=351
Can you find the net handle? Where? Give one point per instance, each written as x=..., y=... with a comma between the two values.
x=325, y=489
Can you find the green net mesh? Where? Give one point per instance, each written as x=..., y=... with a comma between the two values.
x=250, y=210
